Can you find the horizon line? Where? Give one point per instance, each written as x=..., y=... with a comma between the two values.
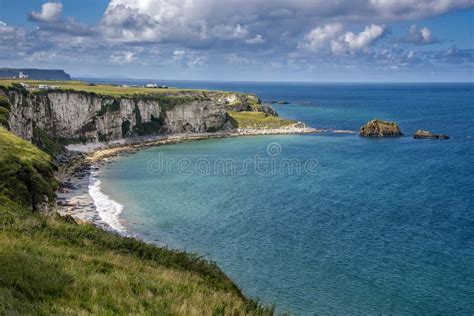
x=264, y=81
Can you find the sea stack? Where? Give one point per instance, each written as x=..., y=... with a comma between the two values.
x=379, y=128
x=422, y=134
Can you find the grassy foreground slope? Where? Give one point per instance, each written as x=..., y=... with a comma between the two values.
x=51, y=265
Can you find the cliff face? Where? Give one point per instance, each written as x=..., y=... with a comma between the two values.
x=76, y=115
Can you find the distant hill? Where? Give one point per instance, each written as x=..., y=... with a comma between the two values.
x=37, y=74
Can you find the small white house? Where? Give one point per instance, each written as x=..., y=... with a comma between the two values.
x=22, y=75
x=151, y=85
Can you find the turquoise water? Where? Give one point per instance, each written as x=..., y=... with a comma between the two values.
x=370, y=226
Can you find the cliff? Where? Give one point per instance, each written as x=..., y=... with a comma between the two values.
x=37, y=74
x=71, y=115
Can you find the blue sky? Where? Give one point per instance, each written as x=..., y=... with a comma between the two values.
x=258, y=40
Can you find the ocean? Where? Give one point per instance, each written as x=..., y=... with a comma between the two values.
x=321, y=224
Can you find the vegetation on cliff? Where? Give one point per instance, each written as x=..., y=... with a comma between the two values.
x=258, y=120
x=4, y=111
x=51, y=265
x=98, y=89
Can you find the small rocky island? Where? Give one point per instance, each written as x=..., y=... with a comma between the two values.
x=379, y=128
x=422, y=134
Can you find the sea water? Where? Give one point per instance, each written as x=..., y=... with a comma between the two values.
x=322, y=224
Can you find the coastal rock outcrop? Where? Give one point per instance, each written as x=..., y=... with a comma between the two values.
x=79, y=116
x=422, y=134
x=379, y=128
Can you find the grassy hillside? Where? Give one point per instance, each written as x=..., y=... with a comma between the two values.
x=51, y=265
x=257, y=120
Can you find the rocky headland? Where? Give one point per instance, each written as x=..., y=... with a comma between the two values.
x=82, y=125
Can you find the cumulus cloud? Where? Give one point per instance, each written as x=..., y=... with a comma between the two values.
x=330, y=38
x=195, y=23
x=197, y=61
x=50, y=19
x=361, y=41
x=322, y=37
x=454, y=55
x=258, y=39
x=3, y=23
x=189, y=59
x=235, y=59
x=123, y=57
x=414, y=9
x=417, y=36
x=179, y=55
x=50, y=12
x=229, y=32
x=258, y=33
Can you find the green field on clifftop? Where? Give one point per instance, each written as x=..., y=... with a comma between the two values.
x=100, y=89
x=51, y=265
x=257, y=120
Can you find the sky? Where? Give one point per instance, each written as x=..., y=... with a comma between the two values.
x=243, y=40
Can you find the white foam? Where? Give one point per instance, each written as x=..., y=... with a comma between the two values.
x=108, y=209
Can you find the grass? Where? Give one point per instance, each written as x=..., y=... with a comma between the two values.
x=257, y=120
x=4, y=111
x=26, y=173
x=100, y=89
x=51, y=265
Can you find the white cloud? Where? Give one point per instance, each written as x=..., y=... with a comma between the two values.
x=200, y=23
x=3, y=23
x=125, y=57
x=189, y=59
x=261, y=33
x=258, y=39
x=179, y=55
x=50, y=12
x=414, y=9
x=321, y=37
x=238, y=60
x=228, y=32
x=42, y=56
x=361, y=41
x=330, y=39
x=426, y=35
x=418, y=36
x=197, y=61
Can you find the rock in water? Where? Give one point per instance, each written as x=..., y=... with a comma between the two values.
x=379, y=128
x=421, y=134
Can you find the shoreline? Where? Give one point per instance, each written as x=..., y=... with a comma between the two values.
x=79, y=194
